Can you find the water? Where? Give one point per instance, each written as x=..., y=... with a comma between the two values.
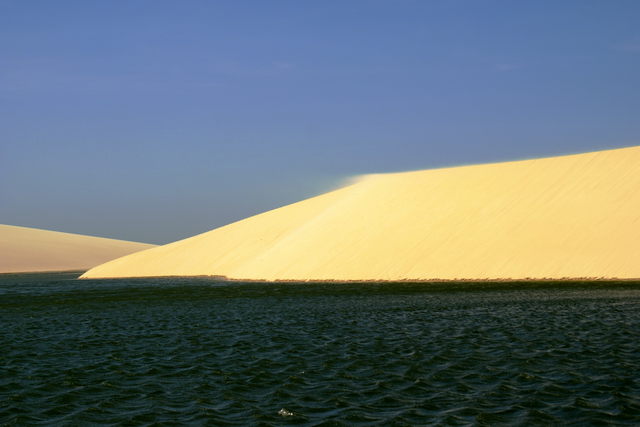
x=200, y=352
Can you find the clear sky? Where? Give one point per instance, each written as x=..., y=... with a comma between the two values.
x=158, y=120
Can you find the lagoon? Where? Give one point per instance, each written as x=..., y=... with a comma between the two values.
x=196, y=351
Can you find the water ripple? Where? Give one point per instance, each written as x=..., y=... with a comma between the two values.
x=199, y=352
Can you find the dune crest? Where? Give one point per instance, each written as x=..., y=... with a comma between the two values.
x=29, y=250
x=562, y=217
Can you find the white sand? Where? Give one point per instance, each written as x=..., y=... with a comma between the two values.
x=564, y=217
x=29, y=250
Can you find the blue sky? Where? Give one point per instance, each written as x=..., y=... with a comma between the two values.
x=158, y=120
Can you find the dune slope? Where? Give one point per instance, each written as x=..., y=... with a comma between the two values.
x=29, y=250
x=563, y=217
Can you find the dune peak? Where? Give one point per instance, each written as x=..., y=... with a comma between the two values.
x=25, y=249
x=575, y=216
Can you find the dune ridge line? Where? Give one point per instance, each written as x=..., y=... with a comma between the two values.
x=24, y=250
x=568, y=217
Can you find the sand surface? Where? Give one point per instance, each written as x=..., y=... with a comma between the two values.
x=564, y=217
x=29, y=250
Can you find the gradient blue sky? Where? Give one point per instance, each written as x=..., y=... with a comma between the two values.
x=157, y=120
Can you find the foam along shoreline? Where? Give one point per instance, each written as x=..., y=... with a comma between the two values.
x=566, y=217
x=30, y=250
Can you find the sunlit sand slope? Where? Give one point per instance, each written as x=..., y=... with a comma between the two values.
x=28, y=249
x=564, y=217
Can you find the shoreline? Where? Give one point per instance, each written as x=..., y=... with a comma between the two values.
x=375, y=281
x=24, y=273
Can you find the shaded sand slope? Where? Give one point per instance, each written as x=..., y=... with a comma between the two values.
x=563, y=217
x=28, y=249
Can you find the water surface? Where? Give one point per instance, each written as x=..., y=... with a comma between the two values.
x=201, y=352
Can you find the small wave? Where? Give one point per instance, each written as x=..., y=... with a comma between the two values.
x=142, y=352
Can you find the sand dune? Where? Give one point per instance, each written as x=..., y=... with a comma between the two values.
x=28, y=250
x=563, y=217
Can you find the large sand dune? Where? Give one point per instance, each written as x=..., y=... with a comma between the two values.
x=564, y=217
x=29, y=249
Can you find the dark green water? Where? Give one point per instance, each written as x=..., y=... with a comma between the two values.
x=200, y=352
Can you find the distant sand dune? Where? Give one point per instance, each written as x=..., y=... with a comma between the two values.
x=563, y=217
x=29, y=250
